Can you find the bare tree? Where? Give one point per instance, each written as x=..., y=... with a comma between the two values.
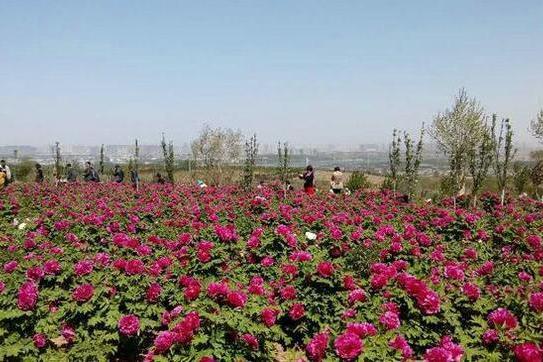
x=169, y=159
x=457, y=131
x=215, y=149
x=283, y=158
x=413, y=158
x=101, y=164
x=251, y=152
x=480, y=159
x=394, y=160
x=503, y=152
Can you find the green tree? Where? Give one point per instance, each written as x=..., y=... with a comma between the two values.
x=521, y=176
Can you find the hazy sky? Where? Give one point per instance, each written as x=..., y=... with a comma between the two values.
x=305, y=71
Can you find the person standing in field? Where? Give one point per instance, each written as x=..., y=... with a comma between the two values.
x=7, y=172
x=3, y=179
x=336, y=181
x=90, y=173
x=71, y=173
x=118, y=174
x=39, y=174
x=309, y=180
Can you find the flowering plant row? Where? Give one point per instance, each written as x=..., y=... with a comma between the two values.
x=172, y=272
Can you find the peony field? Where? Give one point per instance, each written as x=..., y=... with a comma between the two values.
x=173, y=272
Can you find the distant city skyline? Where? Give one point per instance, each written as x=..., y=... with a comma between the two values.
x=305, y=72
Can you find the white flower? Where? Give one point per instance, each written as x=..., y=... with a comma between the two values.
x=15, y=222
x=310, y=236
x=21, y=226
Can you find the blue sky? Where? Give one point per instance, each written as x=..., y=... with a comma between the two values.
x=305, y=71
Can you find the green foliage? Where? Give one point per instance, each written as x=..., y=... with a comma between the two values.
x=521, y=176
x=357, y=181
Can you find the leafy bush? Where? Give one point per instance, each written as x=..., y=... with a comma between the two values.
x=357, y=181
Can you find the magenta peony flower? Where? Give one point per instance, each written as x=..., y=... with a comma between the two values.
x=399, y=343
x=40, y=340
x=83, y=267
x=237, y=299
x=68, y=332
x=27, y=296
x=288, y=292
x=357, y=295
x=134, y=267
x=528, y=352
x=362, y=330
x=490, y=336
x=52, y=267
x=437, y=354
x=269, y=316
x=153, y=292
x=390, y=320
x=215, y=290
x=164, y=341
x=129, y=325
x=536, y=301
x=83, y=293
x=348, y=346
x=297, y=311
x=471, y=291
x=10, y=266
x=250, y=340
x=325, y=269
x=316, y=348
x=503, y=318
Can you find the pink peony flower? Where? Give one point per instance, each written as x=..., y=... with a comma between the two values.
x=83, y=267
x=348, y=346
x=536, y=301
x=27, y=296
x=237, y=299
x=153, y=292
x=528, y=352
x=40, y=340
x=164, y=341
x=390, y=320
x=503, y=318
x=250, y=340
x=325, y=269
x=129, y=325
x=316, y=348
x=297, y=311
x=83, y=293
x=490, y=336
x=269, y=316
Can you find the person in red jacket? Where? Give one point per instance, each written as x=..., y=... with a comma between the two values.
x=309, y=180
